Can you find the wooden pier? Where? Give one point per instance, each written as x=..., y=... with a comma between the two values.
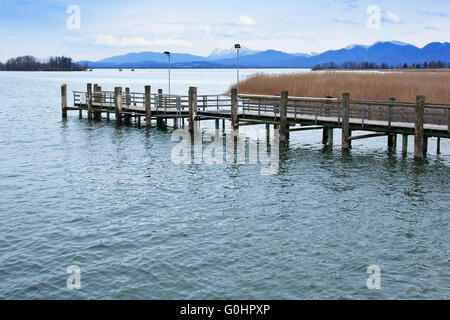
x=383, y=118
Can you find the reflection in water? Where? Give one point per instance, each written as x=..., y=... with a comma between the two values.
x=109, y=199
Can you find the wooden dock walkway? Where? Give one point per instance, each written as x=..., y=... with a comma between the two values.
x=382, y=118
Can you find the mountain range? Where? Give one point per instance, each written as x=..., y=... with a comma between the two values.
x=393, y=53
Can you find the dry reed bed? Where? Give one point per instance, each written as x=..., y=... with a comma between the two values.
x=403, y=86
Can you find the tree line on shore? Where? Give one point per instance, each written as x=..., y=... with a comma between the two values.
x=371, y=65
x=30, y=63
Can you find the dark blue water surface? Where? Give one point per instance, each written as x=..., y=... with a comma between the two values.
x=109, y=200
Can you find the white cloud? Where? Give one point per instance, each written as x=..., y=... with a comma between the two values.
x=111, y=41
x=244, y=21
x=433, y=27
x=391, y=17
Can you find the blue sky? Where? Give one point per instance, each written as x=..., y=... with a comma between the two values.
x=40, y=28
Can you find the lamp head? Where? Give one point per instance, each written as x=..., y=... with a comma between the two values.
x=237, y=46
x=167, y=53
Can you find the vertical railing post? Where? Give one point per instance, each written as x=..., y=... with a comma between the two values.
x=390, y=112
x=118, y=104
x=148, y=106
x=284, y=127
x=64, y=101
x=89, y=100
x=346, y=121
x=419, y=130
x=192, y=107
x=234, y=109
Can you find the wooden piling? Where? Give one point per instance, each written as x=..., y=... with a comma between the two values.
x=159, y=121
x=118, y=104
x=330, y=136
x=419, y=131
x=148, y=108
x=325, y=135
x=217, y=124
x=392, y=141
x=404, y=144
x=284, y=127
x=192, y=107
x=438, y=145
x=234, y=109
x=64, y=101
x=89, y=100
x=345, y=121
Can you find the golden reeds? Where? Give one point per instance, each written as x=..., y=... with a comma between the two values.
x=402, y=85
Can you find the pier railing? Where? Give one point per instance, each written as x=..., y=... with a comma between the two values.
x=389, y=112
x=388, y=117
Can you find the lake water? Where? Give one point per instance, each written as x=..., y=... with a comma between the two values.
x=109, y=200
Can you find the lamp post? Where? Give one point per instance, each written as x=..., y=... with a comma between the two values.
x=237, y=46
x=168, y=55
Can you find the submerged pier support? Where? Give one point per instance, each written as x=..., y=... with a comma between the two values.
x=234, y=110
x=159, y=121
x=346, y=121
x=284, y=127
x=118, y=104
x=192, y=108
x=404, y=145
x=392, y=141
x=418, y=130
x=148, y=109
x=89, y=100
x=64, y=101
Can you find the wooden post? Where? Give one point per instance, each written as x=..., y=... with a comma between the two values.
x=192, y=107
x=425, y=145
x=148, y=108
x=284, y=127
x=223, y=124
x=89, y=100
x=392, y=140
x=217, y=124
x=345, y=121
x=448, y=120
x=438, y=145
x=118, y=104
x=234, y=109
x=127, y=97
x=419, y=131
x=405, y=145
x=159, y=121
x=325, y=135
x=330, y=136
x=64, y=101
x=390, y=112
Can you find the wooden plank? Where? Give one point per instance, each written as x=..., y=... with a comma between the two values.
x=148, y=108
x=366, y=136
x=345, y=121
x=307, y=128
x=64, y=101
x=418, y=130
